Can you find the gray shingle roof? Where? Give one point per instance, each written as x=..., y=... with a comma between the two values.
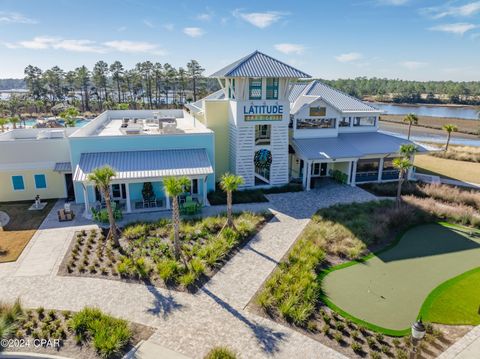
x=349, y=145
x=257, y=64
x=338, y=99
x=146, y=164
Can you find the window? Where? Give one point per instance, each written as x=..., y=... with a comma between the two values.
x=272, y=89
x=364, y=121
x=318, y=111
x=194, y=186
x=255, y=89
x=313, y=123
x=345, y=122
x=40, y=181
x=367, y=165
x=263, y=134
x=18, y=184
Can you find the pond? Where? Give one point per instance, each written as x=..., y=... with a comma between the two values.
x=463, y=112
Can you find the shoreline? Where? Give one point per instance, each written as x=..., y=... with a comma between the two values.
x=405, y=104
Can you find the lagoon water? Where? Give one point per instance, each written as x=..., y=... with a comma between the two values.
x=467, y=112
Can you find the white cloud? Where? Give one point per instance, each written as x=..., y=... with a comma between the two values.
x=287, y=48
x=134, y=47
x=168, y=27
x=466, y=10
x=459, y=28
x=392, y=2
x=193, y=31
x=205, y=16
x=349, y=57
x=413, y=65
x=149, y=24
x=75, y=45
x=15, y=17
x=260, y=19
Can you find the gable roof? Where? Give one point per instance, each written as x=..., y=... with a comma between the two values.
x=257, y=64
x=338, y=99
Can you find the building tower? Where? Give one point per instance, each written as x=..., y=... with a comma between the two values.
x=257, y=88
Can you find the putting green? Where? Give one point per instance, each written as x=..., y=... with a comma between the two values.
x=388, y=289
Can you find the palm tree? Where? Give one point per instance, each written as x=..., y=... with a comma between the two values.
x=70, y=116
x=102, y=177
x=14, y=120
x=403, y=165
x=408, y=150
x=449, y=128
x=175, y=187
x=3, y=122
x=229, y=183
x=412, y=119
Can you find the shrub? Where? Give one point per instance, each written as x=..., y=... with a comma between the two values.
x=197, y=266
x=371, y=342
x=401, y=354
x=354, y=334
x=338, y=336
x=141, y=267
x=135, y=231
x=396, y=342
x=187, y=279
x=356, y=347
x=220, y=353
x=326, y=329
x=168, y=269
x=385, y=349
x=375, y=355
x=380, y=337
x=109, y=335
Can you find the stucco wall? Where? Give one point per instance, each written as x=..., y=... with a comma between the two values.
x=55, y=185
x=216, y=119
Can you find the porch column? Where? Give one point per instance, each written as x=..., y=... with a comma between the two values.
x=205, y=199
x=127, y=192
x=87, y=213
x=167, y=200
x=354, y=174
x=410, y=170
x=304, y=174
x=380, y=169
x=309, y=174
x=349, y=178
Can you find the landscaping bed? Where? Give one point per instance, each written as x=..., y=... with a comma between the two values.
x=82, y=335
x=147, y=254
x=20, y=229
x=219, y=197
x=293, y=293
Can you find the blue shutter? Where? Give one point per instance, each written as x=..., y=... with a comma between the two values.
x=40, y=182
x=18, y=184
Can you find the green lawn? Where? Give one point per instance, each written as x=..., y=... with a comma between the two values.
x=455, y=302
x=458, y=170
x=387, y=290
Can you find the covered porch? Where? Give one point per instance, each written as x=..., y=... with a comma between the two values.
x=348, y=158
x=139, y=182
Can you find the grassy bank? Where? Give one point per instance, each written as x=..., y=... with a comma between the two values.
x=447, y=168
x=471, y=127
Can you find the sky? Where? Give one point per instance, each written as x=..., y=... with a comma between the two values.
x=407, y=39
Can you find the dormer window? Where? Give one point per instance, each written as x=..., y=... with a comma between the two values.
x=272, y=88
x=255, y=89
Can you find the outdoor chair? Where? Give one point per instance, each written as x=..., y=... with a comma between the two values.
x=64, y=216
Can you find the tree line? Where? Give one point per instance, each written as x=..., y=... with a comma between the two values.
x=107, y=86
x=403, y=91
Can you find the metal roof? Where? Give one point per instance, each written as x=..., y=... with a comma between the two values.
x=296, y=90
x=349, y=145
x=338, y=99
x=63, y=167
x=197, y=106
x=146, y=164
x=257, y=64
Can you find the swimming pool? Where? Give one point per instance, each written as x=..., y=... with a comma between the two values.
x=33, y=121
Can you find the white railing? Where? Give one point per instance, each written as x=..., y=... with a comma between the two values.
x=426, y=178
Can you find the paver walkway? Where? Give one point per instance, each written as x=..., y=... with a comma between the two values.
x=192, y=324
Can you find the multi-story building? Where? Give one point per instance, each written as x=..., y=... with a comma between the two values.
x=263, y=124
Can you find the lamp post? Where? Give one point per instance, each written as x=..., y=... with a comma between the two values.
x=418, y=332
